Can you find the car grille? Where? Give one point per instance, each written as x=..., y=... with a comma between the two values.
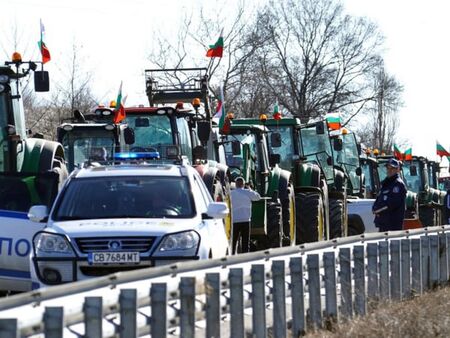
x=95, y=244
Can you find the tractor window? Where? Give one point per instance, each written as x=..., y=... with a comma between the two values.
x=348, y=158
x=19, y=115
x=412, y=182
x=286, y=151
x=317, y=149
x=185, y=138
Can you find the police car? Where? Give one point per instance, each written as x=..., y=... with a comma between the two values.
x=111, y=218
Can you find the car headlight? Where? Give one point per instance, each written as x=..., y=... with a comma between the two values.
x=186, y=242
x=49, y=243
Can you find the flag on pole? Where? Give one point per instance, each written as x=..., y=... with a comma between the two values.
x=440, y=150
x=276, y=112
x=42, y=47
x=407, y=155
x=216, y=50
x=398, y=153
x=333, y=121
x=119, y=111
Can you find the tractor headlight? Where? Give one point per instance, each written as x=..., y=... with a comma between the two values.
x=46, y=243
x=182, y=243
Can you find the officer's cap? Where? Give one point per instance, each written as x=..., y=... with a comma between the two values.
x=393, y=163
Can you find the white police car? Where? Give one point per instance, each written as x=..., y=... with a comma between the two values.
x=118, y=218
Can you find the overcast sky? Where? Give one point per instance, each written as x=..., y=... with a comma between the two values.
x=115, y=38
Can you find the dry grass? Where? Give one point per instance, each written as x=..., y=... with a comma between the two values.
x=424, y=316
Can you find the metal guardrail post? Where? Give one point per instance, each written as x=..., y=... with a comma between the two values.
x=383, y=252
x=372, y=272
x=329, y=264
x=425, y=261
x=443, y=268
x=360, y=280
x=8, y=328
x=158, y=320
x=93, y=316
x=434, y=261
x=53, y=321
x=279, y=299
x=405, y=258
x=346, y=283
x=395, y=270
x=448, y=256
x=258, y=301
x=236, y=302
x=315, y=307
x=297, y=295
x=212, y=290
x=416, y=271
x=187, y=307
x=128, y=313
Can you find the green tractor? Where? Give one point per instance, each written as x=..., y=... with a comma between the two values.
x=247, y=155
x=318, y=146
x=433, y=178
x=307, y=179
x=371, y=183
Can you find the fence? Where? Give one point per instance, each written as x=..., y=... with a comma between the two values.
x=288, y=290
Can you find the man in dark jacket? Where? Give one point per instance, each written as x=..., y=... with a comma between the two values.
x=389, y=207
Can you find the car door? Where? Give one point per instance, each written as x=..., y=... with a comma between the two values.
x=18, y=192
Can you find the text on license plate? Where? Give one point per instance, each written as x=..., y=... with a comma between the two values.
x=113, y=257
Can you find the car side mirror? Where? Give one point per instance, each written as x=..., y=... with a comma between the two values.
x=128, y=135
x=320, y=129
x=38, y=213
x=236, y=147
x=358, y=171
x=274, y=159
x=275, y=140
x=413, y=170
x=329, y=161
x=203, y=131
x=41, y=81
x=337, y=144
x=217, y=210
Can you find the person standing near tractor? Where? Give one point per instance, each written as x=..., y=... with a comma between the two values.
x=447, y=207
x=390, y=205
x=241, y=199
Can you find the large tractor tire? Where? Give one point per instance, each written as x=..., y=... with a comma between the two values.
x=309, y=217
x=427, y=216
x=288, y=213
x=274, y=225
x=337, y=214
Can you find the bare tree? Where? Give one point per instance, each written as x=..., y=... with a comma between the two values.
x=318, y=59
x=383, y=121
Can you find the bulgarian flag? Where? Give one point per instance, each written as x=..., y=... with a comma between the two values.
x=119, y=111
x=42, y=47
x=440, y=150
x=407, y=155
x=398, y=153
x=334, y=122
x=276, y=112
x=216, y=50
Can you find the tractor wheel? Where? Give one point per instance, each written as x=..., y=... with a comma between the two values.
x=288, y=212
x=427, y=216
x=274, y=225
x=336, y=218
x=309, y=217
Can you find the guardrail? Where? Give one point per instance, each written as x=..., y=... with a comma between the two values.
x=287, y=289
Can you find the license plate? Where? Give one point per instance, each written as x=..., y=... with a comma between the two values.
x=113, y=257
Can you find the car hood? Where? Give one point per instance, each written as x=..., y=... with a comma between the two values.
x=124, y=227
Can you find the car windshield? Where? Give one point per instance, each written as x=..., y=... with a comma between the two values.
x=125, y=197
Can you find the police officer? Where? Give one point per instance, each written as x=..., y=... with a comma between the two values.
x=447, y=207
x=389, y=207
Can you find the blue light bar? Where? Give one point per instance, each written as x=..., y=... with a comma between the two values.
x=151, y=155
